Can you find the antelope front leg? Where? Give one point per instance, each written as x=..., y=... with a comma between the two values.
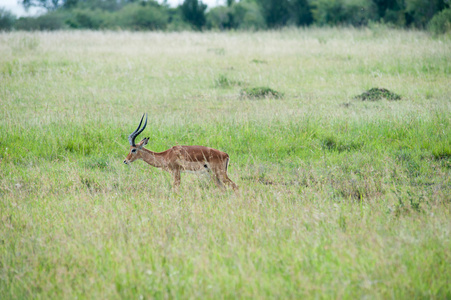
x=229, y=182
x=222, y=179
x=176, y=175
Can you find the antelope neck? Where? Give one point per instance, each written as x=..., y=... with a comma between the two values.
x=153, y=158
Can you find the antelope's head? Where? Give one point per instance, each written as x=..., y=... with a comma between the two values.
x=136, y=149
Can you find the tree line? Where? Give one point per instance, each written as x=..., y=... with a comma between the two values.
x=233, y=15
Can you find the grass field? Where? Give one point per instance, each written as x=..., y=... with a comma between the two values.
x=339, y=198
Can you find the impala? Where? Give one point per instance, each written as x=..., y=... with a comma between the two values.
x=195, y=159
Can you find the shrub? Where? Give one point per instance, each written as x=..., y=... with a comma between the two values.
x=90, y=19
x=275, y=12
x=7, y=19
x=422, y=11
x=248, y=16
x=50, y=21
x=220, y=17
x=224, y=82
x=441, y=22
x=260, y=92
x=143, y=16
x=342, y=12
x=176, y=21
x=193, y=12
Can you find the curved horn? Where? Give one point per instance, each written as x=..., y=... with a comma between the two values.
x=134, y=134
x=144, y=127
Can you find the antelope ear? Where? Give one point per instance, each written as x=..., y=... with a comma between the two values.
x=143, y=142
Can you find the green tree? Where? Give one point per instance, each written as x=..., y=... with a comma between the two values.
x=93, y=4
x=301, y=12
x=193, y=12
x=176, y=22
x=49, y=21
x=220, y=17
x=441, y=22
x=392, y=11
x=278, y=13
x=230, y=3
x=7, y=19
x=105, y=5
x=239, y=15
x=143, y=16
x=343, y=12
x=422, y=11
x=47, y=4
x=88, y=19
x=248, y=15
x=275, y=12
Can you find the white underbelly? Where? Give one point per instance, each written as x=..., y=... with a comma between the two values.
x=195, y=167
x=198, y=172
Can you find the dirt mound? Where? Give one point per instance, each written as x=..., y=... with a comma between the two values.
x=260, y=92
x=375, y=94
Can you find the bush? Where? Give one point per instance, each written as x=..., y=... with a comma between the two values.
x=242, y=15
x=260, y=92
x=343, y=12
x=260, y=14
x=301, y=13
x=49, y=21
x=100, y=5
x=441, y=22
x=220, y=17
x=7, y=19
x=224, y=82
x=89, y=19
x=248, y=16
x=143, y=16
x=193, y=12
x=422, y=11
x=176, y=21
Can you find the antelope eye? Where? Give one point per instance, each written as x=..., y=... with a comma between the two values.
x=133, y=150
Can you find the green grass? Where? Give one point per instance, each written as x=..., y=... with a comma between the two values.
x=339, y=198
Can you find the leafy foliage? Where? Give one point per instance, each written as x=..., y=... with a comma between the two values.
x=224, y=81
x=47, y=4
x=342, y=12
x=245, y=14
x=49, y=21
x=241, y=15
x=86, y=18
x=422, y=11
x=7, y=19
x=144, y=16
x=441, y=22
x=194, y=13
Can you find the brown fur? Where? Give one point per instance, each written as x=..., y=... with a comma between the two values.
x=185, y=159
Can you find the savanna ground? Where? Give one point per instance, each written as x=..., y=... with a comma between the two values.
x=339, y=198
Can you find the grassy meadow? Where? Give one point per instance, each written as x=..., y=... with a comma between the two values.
x=339, y=198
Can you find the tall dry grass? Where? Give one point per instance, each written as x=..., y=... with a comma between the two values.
x=339, y=198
